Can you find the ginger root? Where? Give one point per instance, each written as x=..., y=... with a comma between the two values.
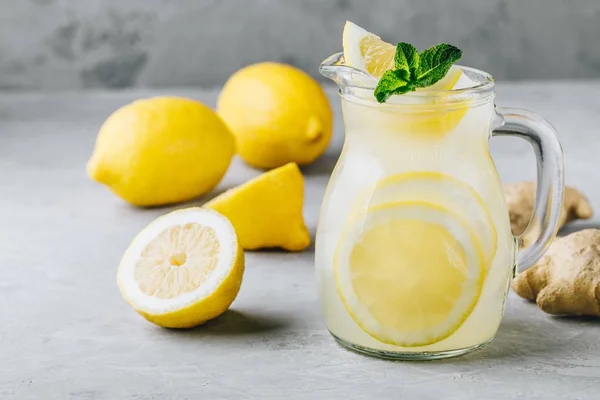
x=567, y=279
x=520, y=198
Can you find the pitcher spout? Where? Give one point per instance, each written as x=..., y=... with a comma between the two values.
x=335, y=68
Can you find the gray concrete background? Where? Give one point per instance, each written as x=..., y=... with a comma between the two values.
x=65, y=44
x=65, y=332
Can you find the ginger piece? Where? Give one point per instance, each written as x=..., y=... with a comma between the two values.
x=567, y=279
x=520, y=198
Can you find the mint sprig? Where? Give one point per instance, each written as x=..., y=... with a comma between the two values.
x=414, y=70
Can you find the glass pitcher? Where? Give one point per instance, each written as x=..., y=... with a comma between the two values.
x=414, y=252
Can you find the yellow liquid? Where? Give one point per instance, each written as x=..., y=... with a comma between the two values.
x=382, y=143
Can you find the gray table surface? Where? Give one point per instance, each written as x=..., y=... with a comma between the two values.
x=65, y=332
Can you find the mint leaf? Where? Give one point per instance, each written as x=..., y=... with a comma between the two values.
x=392, y=82
x=414, y=70
x=435, y=62
x=406, y=59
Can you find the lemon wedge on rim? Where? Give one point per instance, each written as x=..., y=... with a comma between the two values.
x=183, y=269
x=366, y=51
x=409, y=274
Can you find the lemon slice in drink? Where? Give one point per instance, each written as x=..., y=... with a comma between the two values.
x=183, y=269
x=442, y=190
x=409, y=274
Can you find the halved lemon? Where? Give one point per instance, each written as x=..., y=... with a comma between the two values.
x=366, y=51
x=409, y=273
x=443, y=190
x=183, y=269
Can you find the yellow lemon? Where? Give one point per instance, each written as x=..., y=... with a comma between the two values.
x=277, y=113
x=267, y=210
x=183, y=269
x=408, y=273
x=161, y=150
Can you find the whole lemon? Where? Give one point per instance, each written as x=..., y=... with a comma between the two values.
x=277, y=113
x=161, y=150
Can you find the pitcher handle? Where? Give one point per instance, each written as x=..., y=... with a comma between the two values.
x=550, y=177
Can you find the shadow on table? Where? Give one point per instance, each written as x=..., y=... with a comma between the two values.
x=235, y=323
x=166, y=208
x=521, y=338
x=578, y=226
x=322, y=166
x=573, y=319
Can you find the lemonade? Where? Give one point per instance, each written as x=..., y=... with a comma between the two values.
x=384, y=161
x=414, y=252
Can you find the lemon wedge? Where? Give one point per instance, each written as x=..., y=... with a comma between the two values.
x=267, y=211
x=366, y=51
x=440, y=189
x=409, y=273
x=183, y=269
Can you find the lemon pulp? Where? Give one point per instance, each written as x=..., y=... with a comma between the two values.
x=177, y=261
x=378, y=55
